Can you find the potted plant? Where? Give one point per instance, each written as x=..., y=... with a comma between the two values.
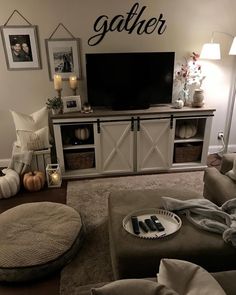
x=55, y=104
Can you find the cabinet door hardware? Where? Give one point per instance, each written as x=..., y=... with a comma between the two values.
x=98, y=126
x=138, y=124
x=171, y=122
x=132, y=124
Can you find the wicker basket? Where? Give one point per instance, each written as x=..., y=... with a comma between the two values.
x=187, y=153
x=82, y=160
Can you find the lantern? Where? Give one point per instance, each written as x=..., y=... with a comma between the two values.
x=53, y=173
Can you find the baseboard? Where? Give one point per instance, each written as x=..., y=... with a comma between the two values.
x=214, y=149
x=4, y=162
x=232, y=148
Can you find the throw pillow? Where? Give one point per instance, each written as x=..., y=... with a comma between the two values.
x=32, y=122
x=232, y=172
x=33, y=141
x=187, y=278
x=133, y=287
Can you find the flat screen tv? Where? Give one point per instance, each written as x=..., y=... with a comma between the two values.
x=131, y=80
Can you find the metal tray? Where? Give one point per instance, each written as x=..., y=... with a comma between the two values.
x=170, y=221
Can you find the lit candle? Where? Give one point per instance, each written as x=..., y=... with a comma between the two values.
x=73, y=82
x=57, y=82
x=55, y=177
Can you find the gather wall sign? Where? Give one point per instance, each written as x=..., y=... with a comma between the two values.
x=131, y=21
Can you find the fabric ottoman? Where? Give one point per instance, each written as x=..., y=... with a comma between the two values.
x=133, y=257
x=37, y=239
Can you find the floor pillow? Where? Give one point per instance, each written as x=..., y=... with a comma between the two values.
x=38, y=239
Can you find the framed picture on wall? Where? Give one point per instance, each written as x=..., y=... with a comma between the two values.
x=63, y=57
x=71, y=104
x=21, y=47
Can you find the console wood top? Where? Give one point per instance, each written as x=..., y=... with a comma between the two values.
x=102, y=112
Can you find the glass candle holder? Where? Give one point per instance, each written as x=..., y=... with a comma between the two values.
x=53, y=173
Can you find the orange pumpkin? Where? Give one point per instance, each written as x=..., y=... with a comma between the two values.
x=34, y=181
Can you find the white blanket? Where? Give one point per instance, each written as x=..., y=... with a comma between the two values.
x=20, y=162
x=206, y=215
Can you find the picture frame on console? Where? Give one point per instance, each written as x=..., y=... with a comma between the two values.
x=71, y=104
x=21, y=47
x=63, y=57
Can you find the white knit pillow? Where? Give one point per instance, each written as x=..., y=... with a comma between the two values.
x=33, y=141
x=32, y=122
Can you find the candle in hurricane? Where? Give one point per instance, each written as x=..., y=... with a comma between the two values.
x=73, y=82
x=57, y=82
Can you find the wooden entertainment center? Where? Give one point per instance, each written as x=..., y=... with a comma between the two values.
x=107, y=142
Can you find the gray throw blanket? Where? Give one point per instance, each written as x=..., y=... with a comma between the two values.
x=206, y=215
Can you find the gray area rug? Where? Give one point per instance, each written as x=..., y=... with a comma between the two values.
x=89, y=197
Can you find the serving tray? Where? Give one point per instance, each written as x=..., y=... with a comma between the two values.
x=170, y=221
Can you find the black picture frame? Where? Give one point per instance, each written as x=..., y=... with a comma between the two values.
x=21, y=47
x=63, y=57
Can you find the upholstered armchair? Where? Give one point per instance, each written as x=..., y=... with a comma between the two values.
x=219, y=187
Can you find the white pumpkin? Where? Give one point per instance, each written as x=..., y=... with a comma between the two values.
x=82, y=133
x=9, y=183
x=178, y=104
x=186, y=130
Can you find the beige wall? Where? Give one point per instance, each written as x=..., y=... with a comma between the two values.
x=189, y=25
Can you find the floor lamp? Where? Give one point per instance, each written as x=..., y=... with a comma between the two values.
x=212, y=51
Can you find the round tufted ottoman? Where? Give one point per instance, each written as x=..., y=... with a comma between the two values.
x=37, y=239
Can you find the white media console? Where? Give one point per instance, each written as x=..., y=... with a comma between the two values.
x=131, y=142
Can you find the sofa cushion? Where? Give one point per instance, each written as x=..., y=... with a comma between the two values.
x=227, y=280
x=193, y=280
x=133, y=287
x=232, y=173
x=218, y=187
x=227, y=162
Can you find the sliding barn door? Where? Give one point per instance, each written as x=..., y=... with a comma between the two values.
x=153, y=144
x=117, y=144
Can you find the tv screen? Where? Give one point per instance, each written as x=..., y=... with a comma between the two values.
x=129, y=80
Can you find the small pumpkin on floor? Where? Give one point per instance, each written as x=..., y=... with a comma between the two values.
x=34, y=181
x=9, y=183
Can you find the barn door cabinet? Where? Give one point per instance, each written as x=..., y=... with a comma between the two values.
x=120, y=143
x=134, y=144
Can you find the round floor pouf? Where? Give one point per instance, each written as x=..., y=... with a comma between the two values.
x=37, y=239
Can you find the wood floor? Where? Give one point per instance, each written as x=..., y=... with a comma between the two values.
x=50, y=285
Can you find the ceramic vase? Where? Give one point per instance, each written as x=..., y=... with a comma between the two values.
x=198, y=98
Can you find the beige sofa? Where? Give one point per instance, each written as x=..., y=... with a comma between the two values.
x=218, y=187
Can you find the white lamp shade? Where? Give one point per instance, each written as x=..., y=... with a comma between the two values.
x=210, y=51
x=233, y=47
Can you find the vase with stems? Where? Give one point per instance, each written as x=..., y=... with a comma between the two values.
x=189, y=76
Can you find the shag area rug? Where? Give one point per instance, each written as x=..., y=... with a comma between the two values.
x=89, y=197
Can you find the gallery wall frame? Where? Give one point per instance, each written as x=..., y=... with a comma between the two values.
x=63, y=56
x=21, y=47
